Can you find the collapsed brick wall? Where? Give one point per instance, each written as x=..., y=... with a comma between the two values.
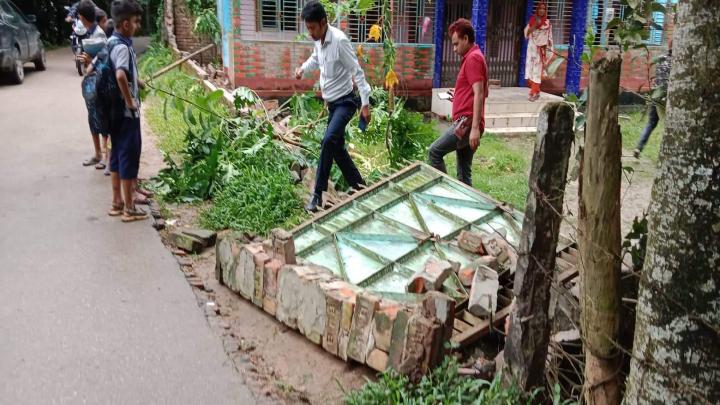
x=269, y=67
x=185, y=37
x=347, y=321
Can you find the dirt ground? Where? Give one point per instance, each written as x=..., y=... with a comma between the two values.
x=278, y=364
x=635, y=192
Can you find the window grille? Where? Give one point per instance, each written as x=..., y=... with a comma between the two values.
x=559, y=13
x=601, y=12
x=279, y=15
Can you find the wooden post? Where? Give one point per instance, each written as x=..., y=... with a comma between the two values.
x=529, y=331
x=599, y=233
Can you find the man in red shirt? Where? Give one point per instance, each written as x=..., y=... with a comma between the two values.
x=468, y=112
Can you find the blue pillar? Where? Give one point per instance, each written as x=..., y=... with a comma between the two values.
x=529, y=6
x=576, y=44
x=479, y=21
x=439, y=38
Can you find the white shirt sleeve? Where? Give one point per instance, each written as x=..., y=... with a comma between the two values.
x=312, y=62
x=349, y=60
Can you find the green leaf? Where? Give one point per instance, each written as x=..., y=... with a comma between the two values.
x=633, y=3
x=571, y=98
x=363, y=6
x=614, y=23
x=656, y=7
x=628, y=169
x=554, y=65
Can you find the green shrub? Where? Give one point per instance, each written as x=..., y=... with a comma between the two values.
x=442, y=386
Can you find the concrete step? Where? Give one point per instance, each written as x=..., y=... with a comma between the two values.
x=511, y=120
x=516, y=131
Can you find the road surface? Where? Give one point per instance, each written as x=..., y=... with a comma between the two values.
x=92, y=310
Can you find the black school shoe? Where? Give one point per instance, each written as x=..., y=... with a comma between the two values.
x=312, y=206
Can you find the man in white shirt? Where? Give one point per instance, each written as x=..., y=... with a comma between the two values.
x=334, y=56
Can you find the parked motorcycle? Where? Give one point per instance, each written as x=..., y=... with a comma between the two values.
x=79, y=32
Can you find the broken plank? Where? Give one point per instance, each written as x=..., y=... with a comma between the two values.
x=571, y=250
x=563, y=264
x=470, y=318
x=567, y=275
x=482, y=329
x=569, y=258
x=462, y=326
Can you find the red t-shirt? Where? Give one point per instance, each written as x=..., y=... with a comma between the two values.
x=472, y=70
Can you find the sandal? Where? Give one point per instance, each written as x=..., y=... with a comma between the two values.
x=107, y=171
x=91, y=161
x=116, y=210
x=134, y=215
x=100, y=165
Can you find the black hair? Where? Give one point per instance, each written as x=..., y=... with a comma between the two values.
x=109, y=27
x=99, y=14
x=313, y=12
x=123, y=10
x=86, y=8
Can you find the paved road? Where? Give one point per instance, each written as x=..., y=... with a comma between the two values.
x=91, y=310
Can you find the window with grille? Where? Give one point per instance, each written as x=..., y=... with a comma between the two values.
x=559, y=13
x=412, y=22
x=279, y=15
x=601, y=12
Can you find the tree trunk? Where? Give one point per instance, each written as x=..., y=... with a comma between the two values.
x=599, y=234
x=676, y=354
x=529, y=331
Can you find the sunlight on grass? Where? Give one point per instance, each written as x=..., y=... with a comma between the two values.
x=498, y=170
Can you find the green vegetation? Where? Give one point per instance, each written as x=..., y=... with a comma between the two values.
x=499, y=170
x=443, y=386
x=632, y=125
x=210, y=154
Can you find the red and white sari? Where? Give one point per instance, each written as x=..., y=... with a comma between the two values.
x=540, y=43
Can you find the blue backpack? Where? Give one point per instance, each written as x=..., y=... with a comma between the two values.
x=102, y=86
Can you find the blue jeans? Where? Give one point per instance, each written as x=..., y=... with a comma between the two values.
x=333, y=145
x=653, y=120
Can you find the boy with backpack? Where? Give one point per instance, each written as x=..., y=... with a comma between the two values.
x=87, y=13
x=124, y=106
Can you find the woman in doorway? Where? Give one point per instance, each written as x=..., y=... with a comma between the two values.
x=539, y=35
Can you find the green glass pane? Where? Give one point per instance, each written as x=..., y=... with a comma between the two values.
x=341, y=219
x=457, y=255
x=402, y=212
x=470, y=211
x=375, y=226
x=380, y=198
x=449, y=190
x=326, y=256
x=388, y=246
x=358, y=265
x=394, y=281
x=307, y=238
x=436, y=222
x=418, y=179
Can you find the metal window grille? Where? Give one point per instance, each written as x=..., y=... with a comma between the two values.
x=559, y=13
x=602, y=12
x=278, y=15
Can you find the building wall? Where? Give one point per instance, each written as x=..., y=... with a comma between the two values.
x=269, y=67
x=637, y=71
x=186, y=39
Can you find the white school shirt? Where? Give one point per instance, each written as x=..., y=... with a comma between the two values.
x=338, y=67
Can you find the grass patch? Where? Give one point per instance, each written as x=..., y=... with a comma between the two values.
x=632, y=125
x=443, y=386
x=499, y=170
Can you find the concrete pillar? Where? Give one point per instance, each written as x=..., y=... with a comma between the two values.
x=479, y=21
x=576, y=43
x=439, y=38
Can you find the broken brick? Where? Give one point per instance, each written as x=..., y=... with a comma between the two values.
x=483, y=294
x=207, y=237
x=338, y=294
x=283, y=245
x=186, y=242
x=378, y=360
x=245, y=270
x=440, y=307
x=383, y=321
x=471, y=242
x=431, y=277
x=261, y=258
x=365, y=307
x=398, y=338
